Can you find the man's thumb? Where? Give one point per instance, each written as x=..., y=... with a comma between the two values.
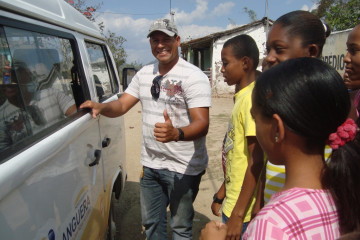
x=166, y=116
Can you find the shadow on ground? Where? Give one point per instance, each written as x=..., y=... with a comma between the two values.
x=128, y=216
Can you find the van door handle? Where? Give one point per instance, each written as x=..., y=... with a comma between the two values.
x=97, y=155
x=106, y=142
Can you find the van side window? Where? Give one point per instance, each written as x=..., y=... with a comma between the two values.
x=103, y=76
x=35, y=80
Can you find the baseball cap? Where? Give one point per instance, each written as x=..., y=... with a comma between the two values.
x=163, y=25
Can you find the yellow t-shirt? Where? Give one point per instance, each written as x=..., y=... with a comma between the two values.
x=275, y=176
x=241, y=125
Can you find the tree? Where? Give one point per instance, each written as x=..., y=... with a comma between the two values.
x=339, y=14
x=251, y=13
x=115, y=44
x=88, y=11
x=114, y=41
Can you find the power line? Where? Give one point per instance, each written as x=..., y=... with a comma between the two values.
x=117, y=13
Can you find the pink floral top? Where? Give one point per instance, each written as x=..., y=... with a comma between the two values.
x=296, y=213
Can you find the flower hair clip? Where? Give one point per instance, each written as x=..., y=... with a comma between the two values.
x=345, y=133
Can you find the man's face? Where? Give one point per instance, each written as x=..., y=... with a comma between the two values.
x=164, y=48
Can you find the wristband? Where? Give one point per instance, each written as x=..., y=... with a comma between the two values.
x=217, y=200
x=181, y=134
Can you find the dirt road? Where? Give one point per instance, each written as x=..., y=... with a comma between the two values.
x=128, y=210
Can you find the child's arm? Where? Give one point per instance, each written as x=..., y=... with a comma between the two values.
x=259, y=203
x=255, y=165
x=215, y=207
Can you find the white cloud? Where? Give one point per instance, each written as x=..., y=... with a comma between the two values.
x=313, y=7
x=231, y=26
x=135, y=30
x=305, y=8
x=195, y=31
x=198, y=13
x=121, y=23
x=223, y=9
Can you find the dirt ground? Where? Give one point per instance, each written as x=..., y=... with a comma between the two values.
x=128, y=208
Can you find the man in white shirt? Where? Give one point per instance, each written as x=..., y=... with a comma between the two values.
x=175, y=97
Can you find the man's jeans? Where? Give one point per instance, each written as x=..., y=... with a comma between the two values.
x=158, y=189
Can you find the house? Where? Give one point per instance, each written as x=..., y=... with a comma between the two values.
x=205, y=52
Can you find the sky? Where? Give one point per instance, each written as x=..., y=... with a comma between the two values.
x=194, y=18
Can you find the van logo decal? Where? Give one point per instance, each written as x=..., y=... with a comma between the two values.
x=77, y=220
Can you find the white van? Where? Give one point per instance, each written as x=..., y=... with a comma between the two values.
x=60, y=169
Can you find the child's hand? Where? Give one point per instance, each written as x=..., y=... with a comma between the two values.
x=215, y=208
x=234, y=225
x=213, y=231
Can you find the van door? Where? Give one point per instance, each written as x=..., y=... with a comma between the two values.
x=111, y=129
x=50, y=181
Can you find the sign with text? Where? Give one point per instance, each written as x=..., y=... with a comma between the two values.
x=334, y=50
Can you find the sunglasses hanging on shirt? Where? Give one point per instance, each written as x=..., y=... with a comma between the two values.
x=155, y=87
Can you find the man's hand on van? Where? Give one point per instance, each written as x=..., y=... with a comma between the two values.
x=94, y=106
x=165, y=132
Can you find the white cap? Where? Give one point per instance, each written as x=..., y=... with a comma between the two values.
x=163, y=25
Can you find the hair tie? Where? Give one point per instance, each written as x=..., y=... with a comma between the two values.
x=345, y=133
x=325, y=27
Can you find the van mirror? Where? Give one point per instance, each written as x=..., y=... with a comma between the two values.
x=127, y=75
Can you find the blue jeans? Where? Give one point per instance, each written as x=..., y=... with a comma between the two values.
x=160, y=188
x=245, y=224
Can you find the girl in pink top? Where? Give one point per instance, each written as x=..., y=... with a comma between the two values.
x=300, y=105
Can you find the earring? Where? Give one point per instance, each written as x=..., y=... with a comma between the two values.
x=276, y=139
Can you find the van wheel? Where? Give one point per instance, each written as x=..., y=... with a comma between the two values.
x=111, y=230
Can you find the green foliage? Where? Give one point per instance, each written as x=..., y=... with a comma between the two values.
x=340, y=15
x=251, y=13
x=82, y=7
x=323, y=7
x=344, y=15
x=114, y=41
x=115, y=44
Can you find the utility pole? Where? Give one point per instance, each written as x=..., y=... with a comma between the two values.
x=171, y=14
x=267, y=18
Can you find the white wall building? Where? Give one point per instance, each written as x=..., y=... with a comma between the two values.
x=334, y=50
x=205, y=52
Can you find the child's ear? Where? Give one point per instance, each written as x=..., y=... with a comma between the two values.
x=314, y=50
x=246, y=63
x=278, y=128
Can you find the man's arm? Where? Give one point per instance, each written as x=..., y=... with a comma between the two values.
x=70, y=110
x=199, y=126
x=255, y=165
x=111, y=109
